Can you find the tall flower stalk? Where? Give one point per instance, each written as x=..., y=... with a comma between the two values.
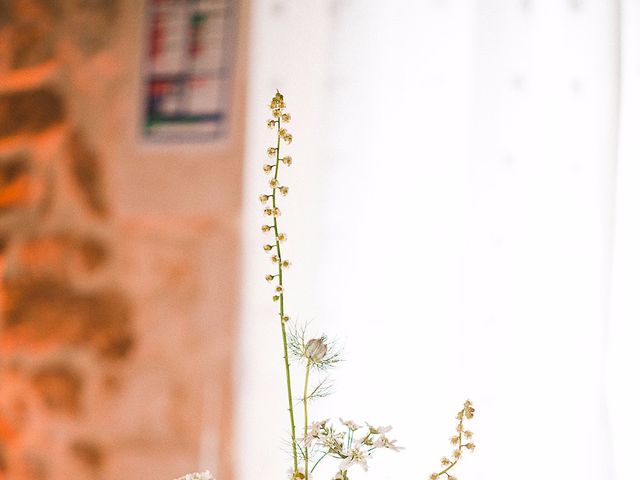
x=347, y=443
x=279, y=117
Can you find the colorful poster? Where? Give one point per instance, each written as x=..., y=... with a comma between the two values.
x=187, y=71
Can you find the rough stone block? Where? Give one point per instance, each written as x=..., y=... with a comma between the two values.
x=61, y=255
x=59, y=387
x=89, y=453
x=87, y=171
x=50, y=312
x=33, y=43
x=31, y=111
x=14, y=182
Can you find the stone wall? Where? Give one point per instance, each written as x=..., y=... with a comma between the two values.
x=118, y=264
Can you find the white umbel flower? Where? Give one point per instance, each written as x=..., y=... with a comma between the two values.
x=206, y=475
x=355, y=456
x=350, y=424
x=383, y=442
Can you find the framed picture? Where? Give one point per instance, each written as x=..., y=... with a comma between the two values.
x=187, y=70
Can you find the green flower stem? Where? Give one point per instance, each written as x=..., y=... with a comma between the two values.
x=319, y=460
x=282, y=322
x=305, y=400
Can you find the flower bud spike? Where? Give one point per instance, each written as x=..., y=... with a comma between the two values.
x=456, y=440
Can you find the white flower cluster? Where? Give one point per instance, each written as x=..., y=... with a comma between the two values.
x=352, y=445
x=206, y=475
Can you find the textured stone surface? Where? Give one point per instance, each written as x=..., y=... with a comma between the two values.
x=31, y=111
x=89, y=453
x=5, y=12
x=3, y=460
x=62, y=255
x=87, y=171
x=115, y=329
x=14, y=181
x=46, y=312
x=94, y=253
x=92, y=23
x=33, y=43
x=59, y=387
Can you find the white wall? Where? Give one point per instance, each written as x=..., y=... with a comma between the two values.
x=451, y=223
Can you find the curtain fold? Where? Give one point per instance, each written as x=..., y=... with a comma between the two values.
x=624, y=326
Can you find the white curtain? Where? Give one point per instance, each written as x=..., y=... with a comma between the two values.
x=464, y=218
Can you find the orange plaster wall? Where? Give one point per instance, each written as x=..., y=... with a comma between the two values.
x=119, y=260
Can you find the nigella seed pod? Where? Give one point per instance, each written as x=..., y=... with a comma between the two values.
x=315, y=350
